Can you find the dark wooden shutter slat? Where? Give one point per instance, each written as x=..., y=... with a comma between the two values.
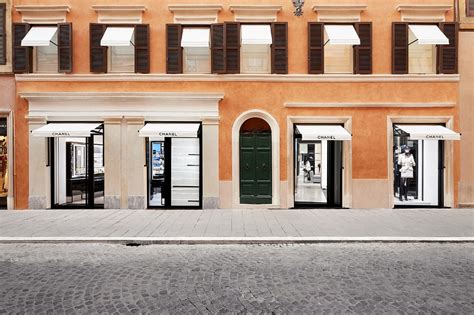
x=98, y=53
x=174, y=52
x=315, y=47
x=142, y=48
x=232, y=47
x=399, y=48
x=448, y=54
x=65, y=47
x=470, y=7
x=280, y=47
x=22, y=56
x=217, y=48
x=363, y=52
x=3, y=34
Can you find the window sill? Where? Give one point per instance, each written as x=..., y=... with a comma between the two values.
x=304, y=78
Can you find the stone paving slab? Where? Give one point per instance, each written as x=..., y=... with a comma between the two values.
x=175, y=226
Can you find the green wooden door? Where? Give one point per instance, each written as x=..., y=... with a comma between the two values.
x=256, y=168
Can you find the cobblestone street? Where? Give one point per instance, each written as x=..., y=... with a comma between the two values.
x=324, y=278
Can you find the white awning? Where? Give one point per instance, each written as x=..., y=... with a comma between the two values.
x=341, y=35
x=196, y=37
x=429, y=132
x=117, y=36
x=39, y=36
x=428, y=35
x=66, y=130
x=256, y=34
x=323, y=132
x=172, y=130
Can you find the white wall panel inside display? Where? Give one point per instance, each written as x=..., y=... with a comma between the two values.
x=185, y=169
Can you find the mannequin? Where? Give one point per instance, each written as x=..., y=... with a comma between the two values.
x=407, y=162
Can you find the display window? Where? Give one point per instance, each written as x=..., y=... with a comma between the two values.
x=318, y=165
x=3, y=163
x=174, y=164
x=418, y=166
x=76, y=162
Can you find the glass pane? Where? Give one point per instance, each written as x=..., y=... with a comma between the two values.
x=422, y=58
x=255, y=58
x=70, y=171
x=416, y=171
x=3, y=163
x=47, y=57
x=197, y=60
x=98, y=169
x=185, y=171
x=311, y=173
x=157, y=173
x=122, y=59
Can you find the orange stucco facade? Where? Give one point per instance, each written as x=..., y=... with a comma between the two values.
x=386, y=95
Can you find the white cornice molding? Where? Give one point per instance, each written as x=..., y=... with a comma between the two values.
x=255, y=13
x=123, y=95
x=339, y=12
x=195, y=13
x=303, y=78
x=369, y=104
x=119, y=13
x=43, y=14
x=100, y=105
x=423, y=12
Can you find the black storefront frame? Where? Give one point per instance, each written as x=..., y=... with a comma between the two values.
x=90, y=201
x=441, y=168
x=331, y=203
x=167, y=143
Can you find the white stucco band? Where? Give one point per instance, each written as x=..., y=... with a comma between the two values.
x=123, y=115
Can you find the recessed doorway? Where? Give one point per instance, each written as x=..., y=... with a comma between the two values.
x=255, y=156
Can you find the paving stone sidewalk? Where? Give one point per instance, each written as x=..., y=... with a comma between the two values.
x=238, y=223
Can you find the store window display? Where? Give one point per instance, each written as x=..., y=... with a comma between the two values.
x=3, y=163
x=417, y=170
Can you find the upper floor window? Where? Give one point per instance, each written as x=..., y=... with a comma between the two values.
x=255, y=52
x=470, y=7
x=119, y=49
x=195, y=42
x=234, y=48
x=338, y=51
x=424, y=48
x=42, y=48
x=3, y=34
x=340, y=48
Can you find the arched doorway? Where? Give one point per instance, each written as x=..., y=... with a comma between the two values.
x=255, y=159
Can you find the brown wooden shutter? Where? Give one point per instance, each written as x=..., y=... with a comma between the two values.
x=232, y=47
x=22, y=56
x=315, y=47
x=142, y=48
x=98, y=53
x=363, y=52
x=3, y=34
x=399, y=48
x=65, y=47
x=174, y=52
x=448, y=54
x=280, y=47
x=217, y=48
